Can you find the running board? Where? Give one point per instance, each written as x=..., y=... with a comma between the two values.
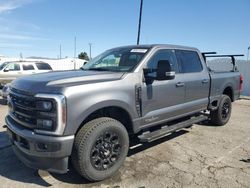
x=151, y=136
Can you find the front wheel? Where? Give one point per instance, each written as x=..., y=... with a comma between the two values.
x=100, y=148
x=223, y=113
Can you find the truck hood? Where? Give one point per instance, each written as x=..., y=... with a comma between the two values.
x=54, y=82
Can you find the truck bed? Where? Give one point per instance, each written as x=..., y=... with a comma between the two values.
x=223, y=79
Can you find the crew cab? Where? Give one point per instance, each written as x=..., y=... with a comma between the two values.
x=91, y=115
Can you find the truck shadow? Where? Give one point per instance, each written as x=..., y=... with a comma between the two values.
x=139, y=147
x=12, y=169
x=73, y=177
x=3, y=101
x=208, y=124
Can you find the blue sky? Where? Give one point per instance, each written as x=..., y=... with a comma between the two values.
x=38, y=27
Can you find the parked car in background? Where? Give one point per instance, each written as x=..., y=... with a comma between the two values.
x=9, y=71
x=5, y=91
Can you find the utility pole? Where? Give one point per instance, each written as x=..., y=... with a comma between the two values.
x=248, y=53
x=75, y=54
x=90, y=46
x=60, y=51
x=75, y=48
x=139, y=25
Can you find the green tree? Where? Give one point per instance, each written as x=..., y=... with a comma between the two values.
x=83, y=55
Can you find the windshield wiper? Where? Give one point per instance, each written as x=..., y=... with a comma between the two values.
x=98, y=69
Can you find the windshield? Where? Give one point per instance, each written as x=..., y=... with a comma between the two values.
x=3, y=65
x=117, y=60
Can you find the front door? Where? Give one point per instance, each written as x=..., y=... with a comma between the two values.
x=162, y=100
x=11, y=72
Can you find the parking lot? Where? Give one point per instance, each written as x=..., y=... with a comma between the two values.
x=201, y=156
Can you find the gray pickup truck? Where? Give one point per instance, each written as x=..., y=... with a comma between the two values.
x=90, y=115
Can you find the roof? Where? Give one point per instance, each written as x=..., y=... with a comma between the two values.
x=24, y=62
x=159, y=46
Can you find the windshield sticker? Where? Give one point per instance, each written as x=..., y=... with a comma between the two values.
x=139, y=50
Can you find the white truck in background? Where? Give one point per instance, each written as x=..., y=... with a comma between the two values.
x=56, y=64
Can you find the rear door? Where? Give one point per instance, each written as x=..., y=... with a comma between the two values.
x=28, y=68
x=196, y=80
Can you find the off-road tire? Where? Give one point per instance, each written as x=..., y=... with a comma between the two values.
x=222, y=114
x=86, y=140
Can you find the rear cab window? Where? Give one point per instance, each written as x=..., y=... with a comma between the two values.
x=43, y=66
x=188, y=61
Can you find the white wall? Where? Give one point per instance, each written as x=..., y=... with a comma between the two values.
x=65, y=64
x=242, y=66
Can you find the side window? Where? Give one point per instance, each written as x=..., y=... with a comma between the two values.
x=163, y=55
x=43, y=66
x=13, y=67
x=188, y=61
x=28, y=67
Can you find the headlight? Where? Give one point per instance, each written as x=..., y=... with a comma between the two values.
x=51, y=114
x=44, y=105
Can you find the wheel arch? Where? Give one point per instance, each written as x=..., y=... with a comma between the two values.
x=119, y=111
x=215, y=100
x=229, y=92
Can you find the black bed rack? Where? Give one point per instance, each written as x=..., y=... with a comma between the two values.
x=211, y=54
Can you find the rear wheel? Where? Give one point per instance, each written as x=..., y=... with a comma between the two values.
x=100, y=148
x=223, y=113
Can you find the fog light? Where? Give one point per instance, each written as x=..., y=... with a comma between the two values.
x=42, y=146
x=45, y=124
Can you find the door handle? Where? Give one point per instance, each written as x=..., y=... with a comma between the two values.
x=205, y=81
x=180, y=84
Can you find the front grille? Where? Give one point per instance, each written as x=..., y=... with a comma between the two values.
x=23, y=109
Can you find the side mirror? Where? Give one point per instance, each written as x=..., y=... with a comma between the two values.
x=164, y=71
x=6, y=70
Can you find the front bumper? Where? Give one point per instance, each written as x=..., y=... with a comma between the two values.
x=40, y=151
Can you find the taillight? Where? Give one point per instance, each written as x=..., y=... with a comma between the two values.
x=241, y=82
